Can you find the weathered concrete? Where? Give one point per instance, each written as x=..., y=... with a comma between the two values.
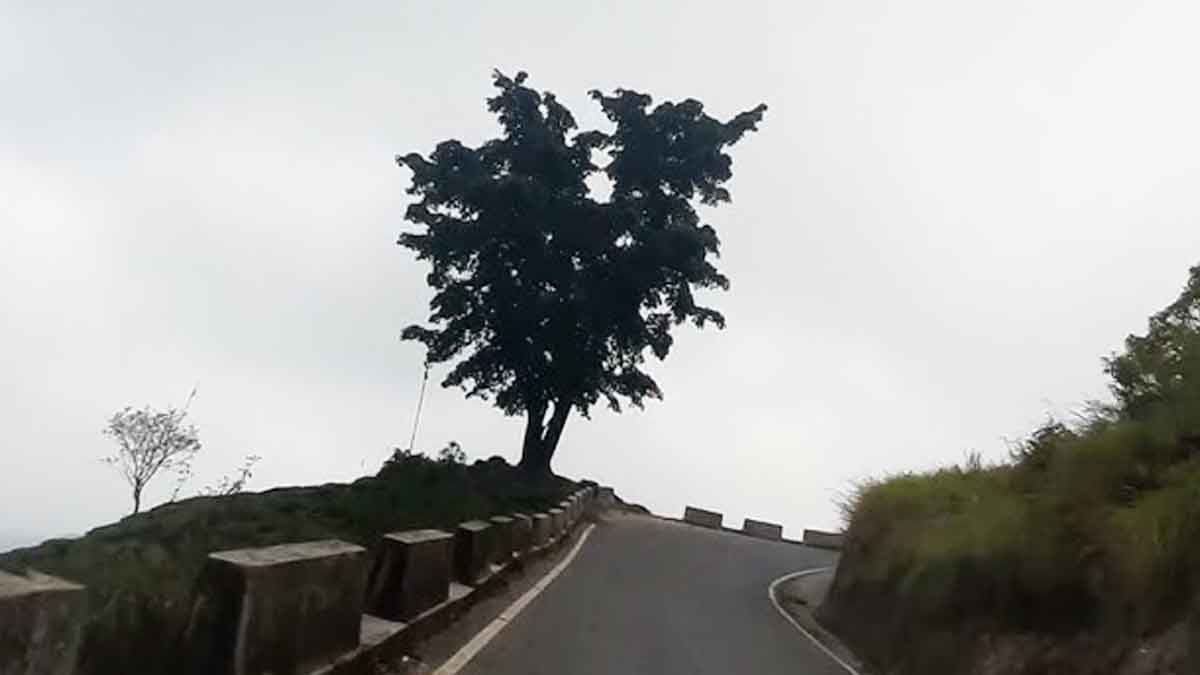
x=558, y=518
x=522, y=533
x=606, y=497
x=473, y=551
x=411, y=574
x=762, y=529
x=568, y=514
x=504, y=539
x=831, y=540
x=387, y=642
x=702, y=517
x=41, y=619
x=543, y=529
x=280, y=609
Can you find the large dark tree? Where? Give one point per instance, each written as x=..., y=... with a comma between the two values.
x=548, y=298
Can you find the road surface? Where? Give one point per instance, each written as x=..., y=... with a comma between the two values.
x=653, y=597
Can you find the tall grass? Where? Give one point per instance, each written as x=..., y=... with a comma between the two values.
x=1091, y=525
x=1097, y=524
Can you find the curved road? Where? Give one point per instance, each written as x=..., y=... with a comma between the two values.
x=654, y=597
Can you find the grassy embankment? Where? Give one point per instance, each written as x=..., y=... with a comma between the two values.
x=1087, y=539
x=140, y=571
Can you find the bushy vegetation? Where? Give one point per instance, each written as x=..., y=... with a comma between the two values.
x=140, y=571
x=1093, y=525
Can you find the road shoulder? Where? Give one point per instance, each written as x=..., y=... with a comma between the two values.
x=797, y=596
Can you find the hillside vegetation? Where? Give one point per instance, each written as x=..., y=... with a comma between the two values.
x=140, y=571
x=1081, y=548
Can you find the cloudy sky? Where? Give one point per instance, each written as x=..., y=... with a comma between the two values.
x=952, y=211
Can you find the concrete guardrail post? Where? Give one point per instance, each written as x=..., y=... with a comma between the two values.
x=543, y=529
x=558, y=521
x=504, y=539
x=473, y=552
x=522, y=533
x=279, y=609
x=702, y=517
x=411, y=575
x=606, y=497
x=820, y=539
x=762, y=529
x=41, y=621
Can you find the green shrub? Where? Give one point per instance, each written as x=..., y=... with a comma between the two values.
x=1154, y=547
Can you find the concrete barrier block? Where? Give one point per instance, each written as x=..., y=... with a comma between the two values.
x=280, y=609
x=558, y=518
x=412, y=573
x=473, y=551
x=522, y=533
x=702, y=517
x=503, y=539
x=823, y=539
x=762, y=529
x=41, y=620
x=543, y=529
x=606, y=498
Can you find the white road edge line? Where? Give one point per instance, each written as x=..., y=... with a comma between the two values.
x=463, y=656
x=775, y=601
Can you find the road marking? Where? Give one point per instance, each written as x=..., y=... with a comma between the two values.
x=463, y=656
x=775, y=601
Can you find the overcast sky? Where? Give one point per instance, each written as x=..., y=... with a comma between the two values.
x=952, y=212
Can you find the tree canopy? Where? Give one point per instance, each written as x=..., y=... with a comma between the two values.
x=1157, y=377
x=548, y=298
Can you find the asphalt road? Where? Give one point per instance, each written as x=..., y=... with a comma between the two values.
x=647, y=596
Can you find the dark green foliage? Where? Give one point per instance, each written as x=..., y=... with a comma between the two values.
x=1157, y=378
x=548, y=297
x=140, y=572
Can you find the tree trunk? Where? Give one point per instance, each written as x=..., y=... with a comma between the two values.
x=531, y=448
x=541, y=438
x=137, y=500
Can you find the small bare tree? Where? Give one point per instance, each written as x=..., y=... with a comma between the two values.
x=150, y=441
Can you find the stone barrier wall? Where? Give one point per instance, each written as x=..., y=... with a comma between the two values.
x=280, y=609
x=702, y=517
x=322, y=608
x=412, y=573
x=832, y=540
x=543, y=529
x=41, y=618
x=762, y=529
